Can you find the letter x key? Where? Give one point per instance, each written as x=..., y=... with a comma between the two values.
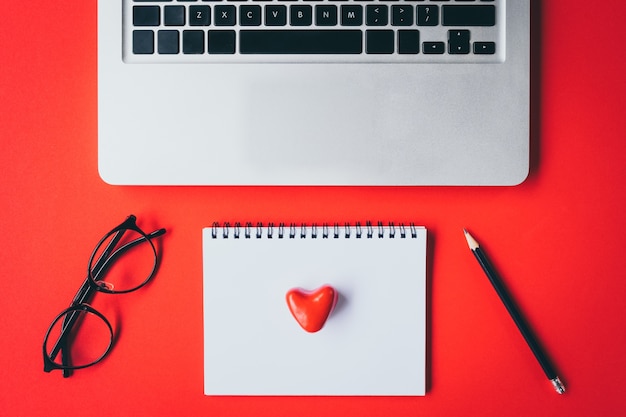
x=225, y=15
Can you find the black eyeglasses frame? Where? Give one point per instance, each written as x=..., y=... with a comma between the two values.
x=88, y=289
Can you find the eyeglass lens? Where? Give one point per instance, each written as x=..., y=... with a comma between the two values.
x=129, y=267
x=89, y=339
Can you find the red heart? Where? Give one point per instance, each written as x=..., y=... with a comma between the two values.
x=311, y=308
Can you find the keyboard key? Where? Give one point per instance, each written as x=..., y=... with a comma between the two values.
x=167, y=42
x=199, y=16
x=351, y=15
x=427, y=15
x=434, y=47
x=193, y=41
x=250, y=15
x=225, y=15
x=301, y=42
x=484, y=48
x=459, y=41
x=301, y=15
x=143, y=42
x=401, y=15
x=466, y=15
x=174, y=16
x=377, y=15
x=146, y=15
x=326, y=15
x=379, y=41
x=221, y=41
x=275, y=15
x=408, y=41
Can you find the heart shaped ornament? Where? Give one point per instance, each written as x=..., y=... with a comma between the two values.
x=311, y=308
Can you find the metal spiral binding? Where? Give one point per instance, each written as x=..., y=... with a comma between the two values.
x=314, y=231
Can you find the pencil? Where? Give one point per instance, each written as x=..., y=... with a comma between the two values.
x=515, y=314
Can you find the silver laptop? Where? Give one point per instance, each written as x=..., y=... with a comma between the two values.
x=313, y=92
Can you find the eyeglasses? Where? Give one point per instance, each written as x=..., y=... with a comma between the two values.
x=124, y=260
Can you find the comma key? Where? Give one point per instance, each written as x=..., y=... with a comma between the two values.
x=377, y=15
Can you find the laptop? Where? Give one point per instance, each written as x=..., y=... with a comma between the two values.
x=313, y=92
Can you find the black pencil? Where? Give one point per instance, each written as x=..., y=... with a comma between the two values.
x=515, y=314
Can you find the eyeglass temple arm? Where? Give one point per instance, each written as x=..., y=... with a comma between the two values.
x=86, y=290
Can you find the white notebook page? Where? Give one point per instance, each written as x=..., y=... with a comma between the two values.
x=373, y=343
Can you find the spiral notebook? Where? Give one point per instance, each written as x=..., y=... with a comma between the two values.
x=373, y=342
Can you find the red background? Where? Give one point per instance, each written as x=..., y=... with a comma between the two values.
x=556, y=239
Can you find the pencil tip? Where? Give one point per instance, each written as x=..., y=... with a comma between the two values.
x=471, y=242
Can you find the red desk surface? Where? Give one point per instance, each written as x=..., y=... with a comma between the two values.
x=556, y=240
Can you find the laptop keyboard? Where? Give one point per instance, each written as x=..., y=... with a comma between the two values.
x=455, y=31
